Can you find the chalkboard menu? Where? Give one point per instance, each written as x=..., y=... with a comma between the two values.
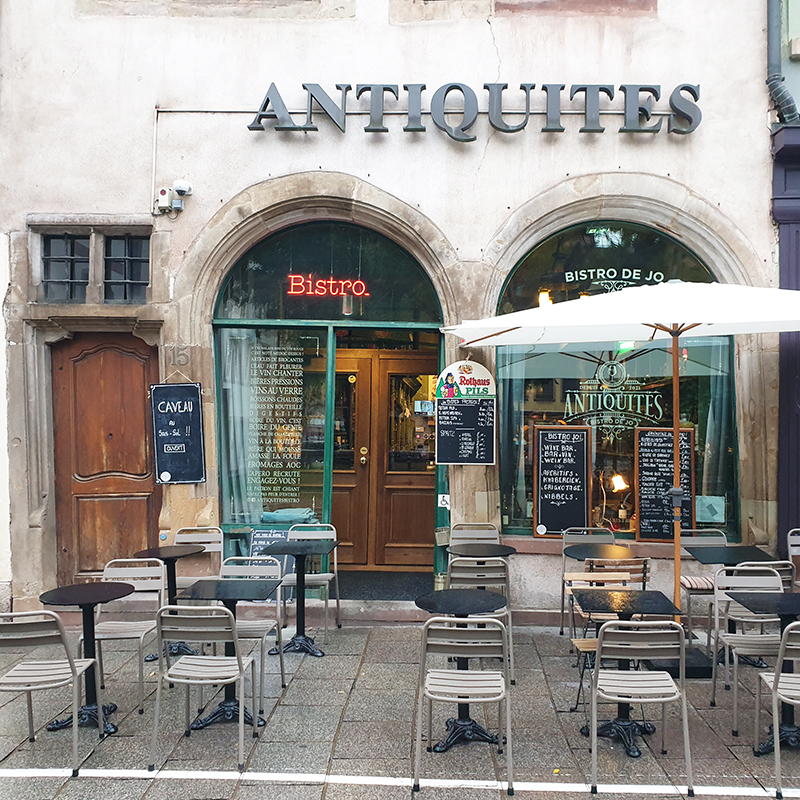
x=178, y=433
x=654, y=475
x=261, y=538
x=465, y=430
x=562, y=480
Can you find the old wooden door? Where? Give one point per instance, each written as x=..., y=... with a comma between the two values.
x=107, y=501
x=384, y=477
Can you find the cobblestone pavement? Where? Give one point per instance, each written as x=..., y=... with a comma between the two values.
x=343, y=728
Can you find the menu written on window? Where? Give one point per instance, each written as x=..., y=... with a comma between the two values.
x=561, y=484
x=275, y=425
x=654, y=474
x=465, y=430
x=178, y=433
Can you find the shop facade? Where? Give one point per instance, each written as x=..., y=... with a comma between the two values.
x=307, y=241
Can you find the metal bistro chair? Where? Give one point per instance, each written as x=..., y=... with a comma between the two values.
x=699, y=585
x=329, y=573
x=258, y=567
x=31, y=629
x=785, y=688
x=473, y=533
x=440, y=637
x=491, y=574
x=148, y=577
x=641, y=641
x=201, y=624
x=637, y=569
x=572, y=536
x=211, y=538
x=739, y=579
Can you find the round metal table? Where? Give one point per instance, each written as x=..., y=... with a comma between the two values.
x=580, y=552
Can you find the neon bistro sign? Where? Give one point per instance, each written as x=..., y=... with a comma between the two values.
x=308, y=286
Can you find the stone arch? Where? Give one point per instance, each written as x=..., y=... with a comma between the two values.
x=652, y=200
x=268, y=207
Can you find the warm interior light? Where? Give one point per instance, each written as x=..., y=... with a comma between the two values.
x=618, y=483
x=544, y=299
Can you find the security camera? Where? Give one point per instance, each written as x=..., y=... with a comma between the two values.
x=182, y=188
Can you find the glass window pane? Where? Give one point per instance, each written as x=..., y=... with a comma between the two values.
x=56, y=270
x=138, y=247
x=55, y=292
x=115, y=247
x=55, y=246
x=115, y=270
x=272, y=421
x=114, y=291
x=137, y=294
x=412, y=432
x=81, y=271
x=331, y=271
x=139, y=271
x=80, y=247
x=78, y=292
x=344, y=420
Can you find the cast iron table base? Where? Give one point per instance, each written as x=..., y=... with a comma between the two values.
x=463, y=729
x=226, y=711
x=87, y=718
x=299, y=644
x=624, y=730
x=175, y=649
x=789, y=735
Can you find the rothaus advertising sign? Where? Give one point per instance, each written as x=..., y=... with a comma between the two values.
x=634, y=102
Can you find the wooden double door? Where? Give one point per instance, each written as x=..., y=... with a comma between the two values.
x=107, y=500
x=384, y=477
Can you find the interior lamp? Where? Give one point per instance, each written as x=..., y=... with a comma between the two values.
x=545, y=299
x=618, y=483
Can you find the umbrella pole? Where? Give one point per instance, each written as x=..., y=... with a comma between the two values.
x=676, y=471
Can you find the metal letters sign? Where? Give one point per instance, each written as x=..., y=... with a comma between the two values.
x=178, y=433
x=637, y=110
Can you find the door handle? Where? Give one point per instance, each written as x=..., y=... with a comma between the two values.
x=363, y=459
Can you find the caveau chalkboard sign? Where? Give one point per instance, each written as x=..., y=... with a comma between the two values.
x=562, y=476
x=654, y=476
x=178, y=433
x=465, y=430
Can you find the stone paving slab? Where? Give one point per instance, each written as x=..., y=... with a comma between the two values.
x=344, y=728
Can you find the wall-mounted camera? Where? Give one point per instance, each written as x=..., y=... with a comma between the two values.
x=172, y=199
x=182, y=188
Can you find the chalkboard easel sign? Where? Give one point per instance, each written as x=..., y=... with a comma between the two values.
x=178, y=433
x=654, y=475
x=562, y=476
x=465, y=430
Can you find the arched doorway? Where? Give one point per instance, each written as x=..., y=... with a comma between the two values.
x=613, y=389
x=327, y=349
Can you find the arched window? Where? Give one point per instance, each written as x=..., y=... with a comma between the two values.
x=572, y=384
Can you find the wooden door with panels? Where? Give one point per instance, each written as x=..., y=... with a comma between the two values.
x=384, y=478
x=107, y=500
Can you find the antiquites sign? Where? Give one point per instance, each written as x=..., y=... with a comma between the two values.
x=636, y=107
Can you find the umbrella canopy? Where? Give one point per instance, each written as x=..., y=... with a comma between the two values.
x=644, y=313
x=641, y=313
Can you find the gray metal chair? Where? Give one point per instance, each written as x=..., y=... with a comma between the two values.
x=473, y=533
x=572, y=536
x=329, y=574
x=258, y=567
x=201, y=624
x=785, y=688
x=637, y=641
x=148, y=576
x=699, y=585
x=211, y=538
x=30, y=629
x=441, y=637
x=491, y=574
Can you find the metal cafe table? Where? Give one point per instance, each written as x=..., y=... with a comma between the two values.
x=169, y=554
x=462, y=603
x=624, y=603
x=786, y=606
x=582, y=552
x=87, y=596
x=229, y=592
x=300, y=549
x=729, y=555
x=480, y=550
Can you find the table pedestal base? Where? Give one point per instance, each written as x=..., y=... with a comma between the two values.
x=226, y=711
x=466, y=729
x=789, y=736
x=624, y=730
x=87, y=718
x=299, y=644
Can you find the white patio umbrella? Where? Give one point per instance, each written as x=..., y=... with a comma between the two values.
x=645, y=313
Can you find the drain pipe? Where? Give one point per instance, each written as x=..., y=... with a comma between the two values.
x=781, y=96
